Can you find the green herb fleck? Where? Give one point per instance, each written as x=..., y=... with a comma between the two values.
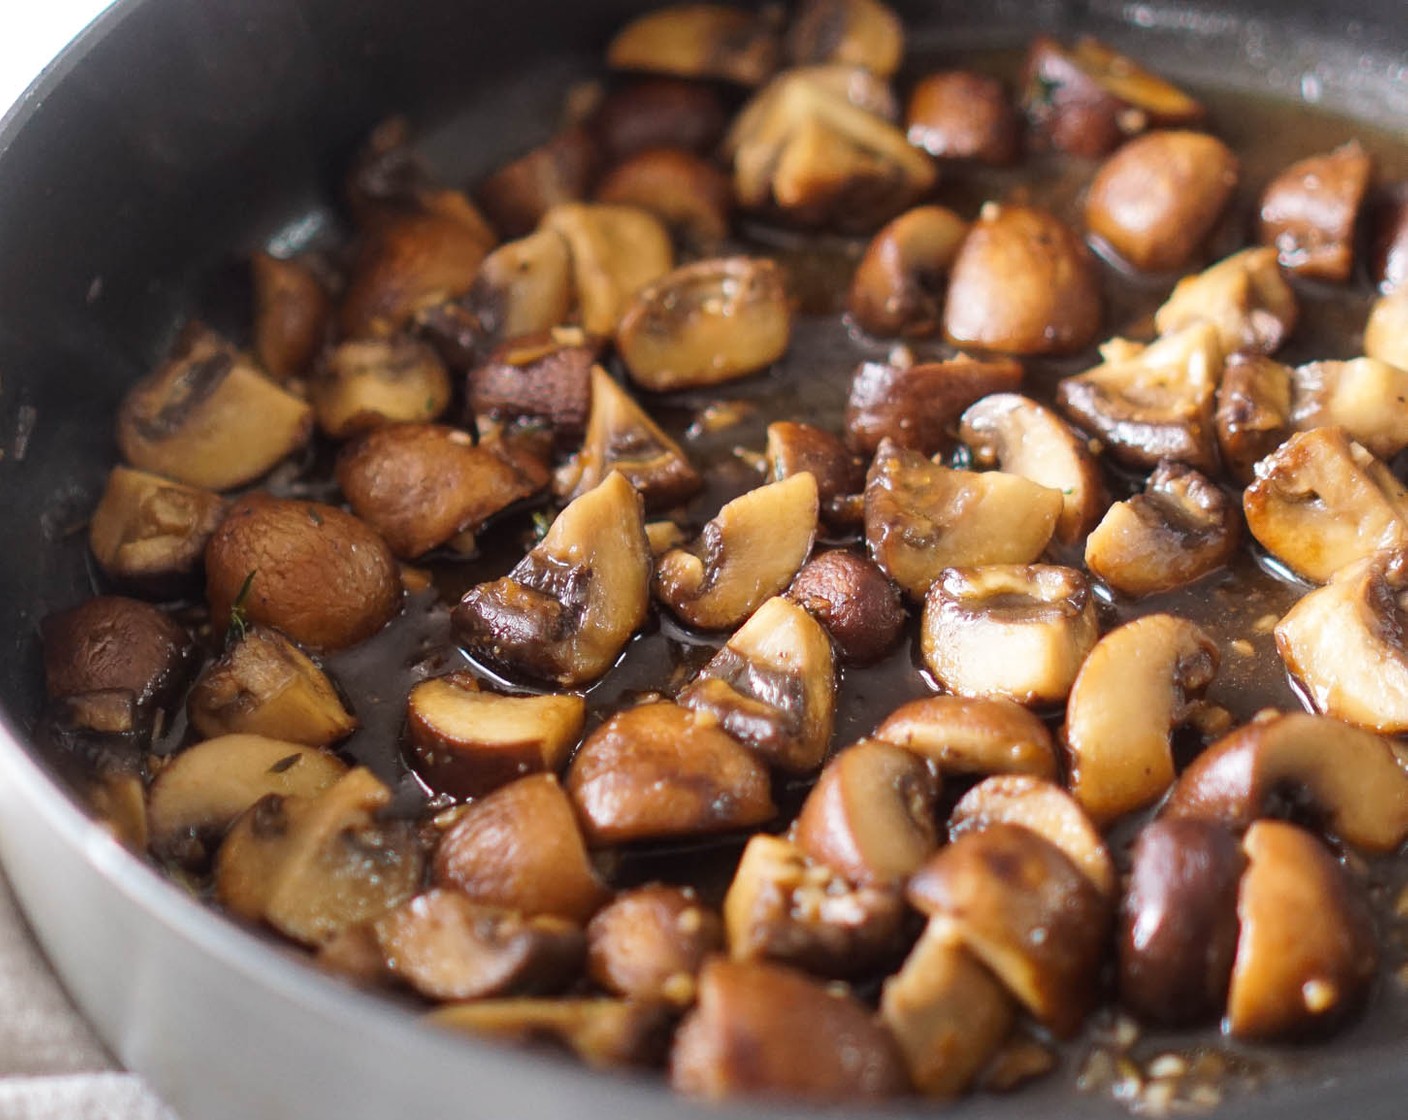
x=314, y=516
x=1043, y=90
x=542, y=522
x=239, y=623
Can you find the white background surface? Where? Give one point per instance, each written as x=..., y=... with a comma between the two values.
x=31, y=33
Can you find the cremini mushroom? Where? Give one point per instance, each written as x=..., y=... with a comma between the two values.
x=543, y=379
x=965, y=735
x=291, y=315
x=855, y=601
x=959, y=114
x=650, y=943
x=1366, y=397
x=691, y=195
x=374, y=382
x=1310, y=210
x=524, y=287
x=897, y=288
x=1388, y=239
x=693, y=40
x=793, y=447
x=616, y=251
x=658, y=112
x=150, y=533
x=1244, y=296
x=603, y=1033
x=1386, y=332
x=918, y=406
x=560, y=170
x=1253, y=415
x=863, y=33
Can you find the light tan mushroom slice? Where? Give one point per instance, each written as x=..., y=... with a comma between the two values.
x=467, y=742
x=569, y=607
x=1138, y=684
x=1016, y=632
x=1181, y=527
x=898, y=286
x=1344, y=644
x=263, y=684
x=1307, y=952
x=965, y=735
x=784, y=907
x=1365, y=397
x=1153, y=402
x=1321, y=502
x=773, y=687
x=1253, y=415
x=149, y=532
x=1245, y=297
x=1345, y=779
x=706, y=323
x=616, y=251
x=660, y=771
x=523, y=288
x=743, y=557
x=1386, y=332
x=650, y=943
x=374, y=382
x=850, y=32
x=622, y=437
x=1019, y=436
x=194, y=798
x=921, y=518
x=207, y=417
x=312, y=866
x=871, y=814
x=603, y=1033
x=692, y=40
x=947, y=1012
x=1046, y=809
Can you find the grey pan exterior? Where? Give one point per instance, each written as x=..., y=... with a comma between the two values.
x=176, y=133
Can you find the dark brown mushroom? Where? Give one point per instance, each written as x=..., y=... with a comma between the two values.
x=959, y=114
x=114, y=644
x=1310, y=210
x=1245, y=297
x=659, y=113
x=650, y=943
x=150, y=533
x=518, y=194
x=685, y=191
x=794, y=447
x=543, y=379
x=1388, y=238
x=291, y=315
x=694, y=40
x=897, y=288
x=1253, y=415
x=864, y=33
x=855, y=601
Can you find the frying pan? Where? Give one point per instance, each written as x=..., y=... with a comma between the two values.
x=175, y=134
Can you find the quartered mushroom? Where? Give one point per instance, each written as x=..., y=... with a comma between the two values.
x=537, y=379
x=1012, y=631
x=370, y=383
x=1245, y=297
x=793, y=447
x=962, y=115
x=747, y=554
x=1180, y=528
x=1140, y=682
x=694, y=40
x=965, y=735
x=291, y=315
x=616, y=251
x=772, y=687
x=1155, y=402
x=659, y=771
x=567, y=609
x=560, y=170
x=658, y=112
x=1386, y=332
x=603, y=1033
x=691, y=195
x=897, y=288
x=524, y=287
x=207, y=417
x=650, y=943
x=921, y=518
x=1310, y=210
x=149, y=533
x=1366, y=397
x=864, y=33
x=855, y=601
x=1253, y=416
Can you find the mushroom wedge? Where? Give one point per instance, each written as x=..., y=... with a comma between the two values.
x=1244, y=298
x=616, y=251
x=149, y=532
x=965, y=735
x=1365, y=397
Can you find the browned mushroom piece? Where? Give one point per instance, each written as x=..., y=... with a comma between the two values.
x=1386, y=332
x=772, y=687
x=1178, y=922
x=746, y=555
x=352, y=955
x=693, y=40
x=864, y=33
x=1310, y=210
x=1180, y=528
x=466, y=741
x=207, y=417
x=318, y=574
x=388, y=175
x=963, y=735
x=1140, y=682
x=1024, y=910
x=706, y=323
x=263, y=684
x=1388, y=238
x=765, y=1029
x=783, y=907
x=659, y=113
x=1308, y=953
x=374, y=382
x=149, y=533
x=603, y=1033
x=918, y=406
x=659, y=771
x=312, y=866
x=1010, y=631
x=794, y=447
x=616, y=251
x=544, y=379
x=1320, y=502
x=1253, y=415
x=1019, y=436
x=518, y=194
x=856, y=603
x=689, y=194
x=1366, y=397
x=521, y=848
x=523, y=288
x=1150, y=403
x=1342, y=778
x=568, y=608
x=650, y=943
x=117, y=800
x=898, y=286
x=1245, y=297
x=921, y=518
x=196, y=796
x=959, y=114
x=291, y=315
x=1086, y=98
x=448, y=947
x=1156, y=200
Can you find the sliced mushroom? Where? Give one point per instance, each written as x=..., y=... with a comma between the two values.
x=1309, y=212
x=1253, y=415
x=852, y=598
x=1018, y=632
x=149, y=533
x=1153, y=402
x=521, y=848
x=208, y=418
x=1139, y=683
x=1365, y=397
x=371, y=383
x=863, y=33
x=918, y=406
x=291, y=315
x=523, y=288
x=561, y=170
x=1178, y=530
x=898, y=286
x=604, y=1033
x=1345, y=779
x=764, y=1029
x=114, y=644
x=1023, y=283
x=659, y=771
x=659, y=113
x=1386, y=332
x=538, y=379
x=921, y=518
x=616, y=251
x=958, y=114
x=685, y=191
x=772, y=687
x=962, y=735
x=1245, y=297
x=1320, y=502
x=698, y=41
x=1019, y=436
x=706, y=323
x=743, y=557
x=650, y=943
x=263, y=684
x=568, y=608
x=794, y=447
